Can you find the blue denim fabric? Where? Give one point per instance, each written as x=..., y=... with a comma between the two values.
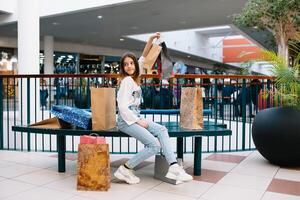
x=147, y=137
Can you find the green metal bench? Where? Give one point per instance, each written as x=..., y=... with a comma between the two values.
x=210, y=129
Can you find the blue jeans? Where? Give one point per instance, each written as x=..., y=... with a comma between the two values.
x=147, y=137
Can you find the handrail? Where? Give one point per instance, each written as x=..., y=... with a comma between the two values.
x=71, y=76
x=191, y=76
x=223, y=76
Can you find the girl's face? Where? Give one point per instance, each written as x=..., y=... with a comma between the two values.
x=129, y=66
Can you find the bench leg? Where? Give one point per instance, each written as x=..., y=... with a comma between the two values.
x=180, y=147
x=197, y=156
x=61, y=150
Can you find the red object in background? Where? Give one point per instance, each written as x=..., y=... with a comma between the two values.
x=263, y=102
x=240, y=50
x=89, y=139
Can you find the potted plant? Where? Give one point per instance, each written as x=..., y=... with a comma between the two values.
x=281, y=17
x=276, y=131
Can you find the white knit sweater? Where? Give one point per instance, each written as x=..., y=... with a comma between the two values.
x=129, y=98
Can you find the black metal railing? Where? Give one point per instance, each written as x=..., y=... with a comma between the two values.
x=234, y=101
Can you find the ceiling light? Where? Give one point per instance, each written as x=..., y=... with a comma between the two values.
x=99, y=17
x=182, y=22
x=134, y=27
x=55, y=23
x=188, y=56
x=121, y=39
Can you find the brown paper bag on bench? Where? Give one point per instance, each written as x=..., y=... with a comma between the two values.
x=93, y=167
x=103, y=106
x=54, y=123
x=47, y=123
x=191, y=108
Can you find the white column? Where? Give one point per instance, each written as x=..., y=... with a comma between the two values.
x=48, y=52
x=28, y=37
x=28, y=56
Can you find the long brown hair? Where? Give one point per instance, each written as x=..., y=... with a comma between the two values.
x=136, y=74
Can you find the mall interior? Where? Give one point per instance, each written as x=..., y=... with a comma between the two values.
x=53, y=51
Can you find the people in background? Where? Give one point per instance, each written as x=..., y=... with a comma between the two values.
x=43, y=93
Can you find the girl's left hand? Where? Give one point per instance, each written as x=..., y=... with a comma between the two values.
x=155, y=35
x=143, y=123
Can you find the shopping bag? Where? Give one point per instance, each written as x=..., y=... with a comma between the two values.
x=75, y=116
x=93, y=167
x=191, y=108
x=166, y=61
x=151, y=57
x=47, y=123
x=92, y=139
x=161, y=167
x=54, y=123
x=103, y=106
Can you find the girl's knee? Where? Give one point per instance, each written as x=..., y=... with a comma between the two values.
x=155, y=149
x=154, y=146
x=162, y=130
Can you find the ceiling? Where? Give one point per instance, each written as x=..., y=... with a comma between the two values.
x=133, y=18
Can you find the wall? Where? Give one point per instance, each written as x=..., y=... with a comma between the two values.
x=215, y=50
x=187, y=41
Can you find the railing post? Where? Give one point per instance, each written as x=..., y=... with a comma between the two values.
x=1, y=114
x=57, y=93
x=244, y=96
x=216, y=111
x=28, y=112
x=216, y=100
x=88, y=93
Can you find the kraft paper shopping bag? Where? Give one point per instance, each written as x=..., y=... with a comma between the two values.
x=93, y=167
x=152, y=57
x=191, y=108
x=103, y=106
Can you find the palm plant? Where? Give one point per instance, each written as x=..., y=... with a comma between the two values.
x=279, y=127
x=287, y=80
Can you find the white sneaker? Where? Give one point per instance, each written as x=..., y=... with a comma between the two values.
x=126, y=175
x=177, y=173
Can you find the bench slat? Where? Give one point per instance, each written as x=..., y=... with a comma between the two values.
x=209, y=129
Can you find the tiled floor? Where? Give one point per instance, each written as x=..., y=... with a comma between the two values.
x=238, y=175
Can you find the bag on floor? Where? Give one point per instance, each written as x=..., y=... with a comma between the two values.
x=93, y=167
x=103, y=106
x=92, y=139
x=191, y=108
x=161, y=167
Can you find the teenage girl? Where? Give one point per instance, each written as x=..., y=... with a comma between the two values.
x=131, y=123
